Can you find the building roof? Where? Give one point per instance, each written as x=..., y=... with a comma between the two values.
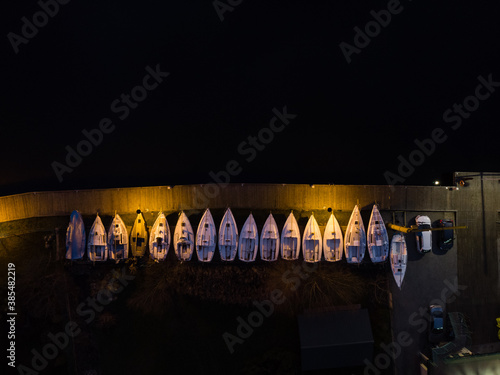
x=335, y=339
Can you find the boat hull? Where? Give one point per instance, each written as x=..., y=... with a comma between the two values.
x=399, y=258
x=159, y=239
x=118, y=245
x=377, y=238
x=139, y=237
x=355, y=238
x=75, y=237
x=206, y=238
x=97, y=246
x=228, y=237
x=333, y=241
x=312, y=244
x=269, y=240
x=249, y=240
x=290, y=239
x=183, y=238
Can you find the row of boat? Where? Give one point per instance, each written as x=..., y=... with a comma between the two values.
x=114, y=244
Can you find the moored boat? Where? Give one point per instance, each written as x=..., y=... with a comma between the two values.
x=249, y=240
x=228, y=237
x=183, y=238
x=206, y=237
x=399, y=258
x=138, y=236
x=333, y=242
x=75, y=237
x=159, y=238
x=290, y=239
x=97, y=246
x=117, y=239
x=311, y=241
x=269, y=240
x=377, y=238
x=355, y=238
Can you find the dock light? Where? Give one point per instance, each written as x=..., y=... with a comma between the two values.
x=436, y=182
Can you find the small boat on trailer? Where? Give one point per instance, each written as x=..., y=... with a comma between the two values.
x=399, y=258
x=183, y=238
x=378, y=240
x=117, y=239
x=290, y=239
x=97, y=246
x=311, y=242
x=228, y=237
x=249, y=240
x=355, y=238
x=206, y=237
x=75, y=237
x=333, y=241
x=270, y=240
x=139, y=236
x=159, y=240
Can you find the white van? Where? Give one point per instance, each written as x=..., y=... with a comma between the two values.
x=424, y=238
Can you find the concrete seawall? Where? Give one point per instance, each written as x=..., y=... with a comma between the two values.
x=251, y=196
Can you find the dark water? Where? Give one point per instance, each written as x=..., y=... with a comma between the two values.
x=350, y=120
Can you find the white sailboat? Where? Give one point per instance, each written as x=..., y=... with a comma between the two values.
x=159, y=239
x=75, y=237
x=311, y=242
x=355, y=238
x=333, y=241
x=399, y=258
x=249, y=240
x=183, y=238
x=97, y=247
x=206, y=237
x=377, y=238
x=269, y=240
x=117, y=239
x=290, y=239
x=228, y=237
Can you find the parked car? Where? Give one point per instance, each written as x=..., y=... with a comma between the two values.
x=424, y=238
x=445, y=237
x=436, y=331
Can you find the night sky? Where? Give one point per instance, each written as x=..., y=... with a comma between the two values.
x=227, y=70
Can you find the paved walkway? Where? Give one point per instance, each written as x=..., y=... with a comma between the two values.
x=428, y=279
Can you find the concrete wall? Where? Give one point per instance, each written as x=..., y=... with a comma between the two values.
x=251, y=196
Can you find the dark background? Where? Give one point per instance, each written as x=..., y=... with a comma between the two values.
x=353, y=120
